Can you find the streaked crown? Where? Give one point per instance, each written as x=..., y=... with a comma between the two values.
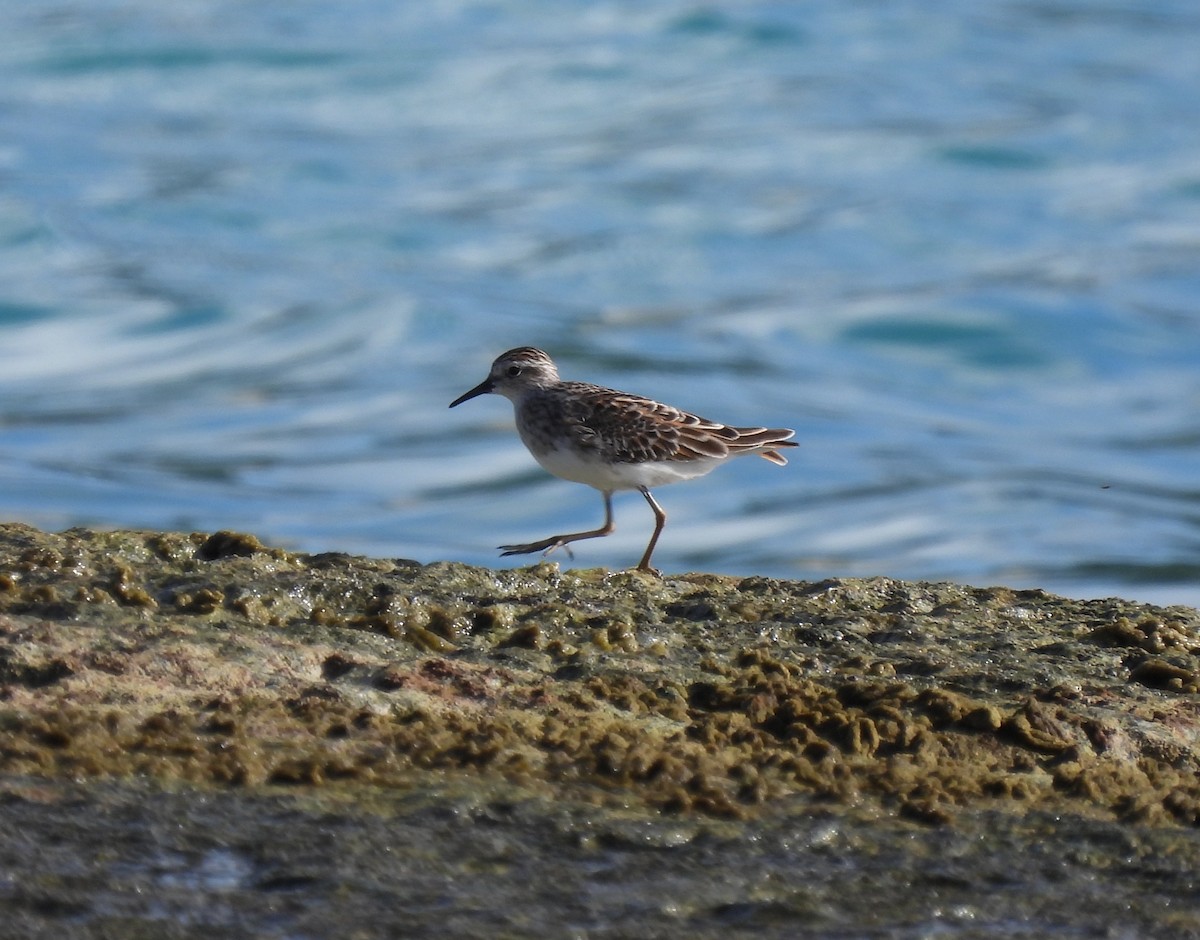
x=533, y=365
x=515, y=373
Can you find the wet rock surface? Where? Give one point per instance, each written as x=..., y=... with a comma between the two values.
x=235, y=670
x=130, y=860
x=212, y=659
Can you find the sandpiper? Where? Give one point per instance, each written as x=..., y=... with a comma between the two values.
x=612, y=440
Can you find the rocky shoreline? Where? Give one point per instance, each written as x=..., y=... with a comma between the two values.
x=212, y=660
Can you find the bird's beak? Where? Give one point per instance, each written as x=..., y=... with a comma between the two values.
x=481, y=389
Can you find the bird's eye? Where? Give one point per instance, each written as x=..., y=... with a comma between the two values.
x=514, y=371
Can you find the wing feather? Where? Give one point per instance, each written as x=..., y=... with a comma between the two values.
x=634, y=429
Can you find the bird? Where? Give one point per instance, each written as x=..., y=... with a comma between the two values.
x=612, y=440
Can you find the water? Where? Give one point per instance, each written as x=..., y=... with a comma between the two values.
x=249, y=252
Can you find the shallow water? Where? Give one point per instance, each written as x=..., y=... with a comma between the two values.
x=249, y=252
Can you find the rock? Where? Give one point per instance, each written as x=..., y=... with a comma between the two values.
x=214, y=659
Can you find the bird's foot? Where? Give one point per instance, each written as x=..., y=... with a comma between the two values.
x=545, y=546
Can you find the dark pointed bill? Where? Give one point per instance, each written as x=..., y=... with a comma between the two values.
x=481, y=389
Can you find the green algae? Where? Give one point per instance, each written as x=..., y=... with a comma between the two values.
x=213, y=659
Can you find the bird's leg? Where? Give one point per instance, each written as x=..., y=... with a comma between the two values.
x=660, y=520
x=562, y=541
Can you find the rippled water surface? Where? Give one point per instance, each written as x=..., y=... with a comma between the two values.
x=249, y=252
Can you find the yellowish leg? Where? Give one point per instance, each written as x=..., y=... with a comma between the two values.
x=660, y=520
x=562, y=541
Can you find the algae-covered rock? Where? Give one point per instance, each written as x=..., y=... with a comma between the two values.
x=215, y=659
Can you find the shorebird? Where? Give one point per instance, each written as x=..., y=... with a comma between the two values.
x=612, y=440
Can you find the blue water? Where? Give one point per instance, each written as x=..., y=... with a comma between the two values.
x=250, y=251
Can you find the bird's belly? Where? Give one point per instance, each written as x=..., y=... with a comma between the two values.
x=583, y=468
